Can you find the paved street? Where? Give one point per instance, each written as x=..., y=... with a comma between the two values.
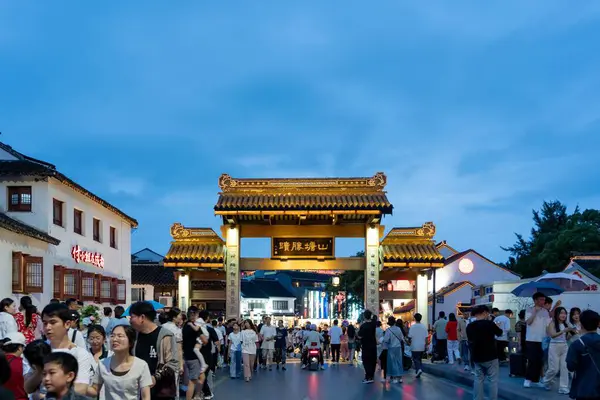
x=338, y=382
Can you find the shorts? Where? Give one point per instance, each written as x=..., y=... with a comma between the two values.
x=193, y=367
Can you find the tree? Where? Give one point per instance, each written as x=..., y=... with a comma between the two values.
x=554, y=236
x=353, y=282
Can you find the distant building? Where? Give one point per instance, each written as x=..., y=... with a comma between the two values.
x=58, y=239
x=587, y=267
x=270, y=297
x=150, y=280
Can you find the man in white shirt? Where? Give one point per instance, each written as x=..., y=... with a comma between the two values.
x=503, y=322
x=57, y=319
x=418, y=339
x=335, y=334
x=268, y=334
x=74, y=334
x=537, y=319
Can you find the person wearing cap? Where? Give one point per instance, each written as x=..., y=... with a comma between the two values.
x=74, y=334
x=13, y=346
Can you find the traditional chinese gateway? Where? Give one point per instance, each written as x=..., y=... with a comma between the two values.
x=303, y=217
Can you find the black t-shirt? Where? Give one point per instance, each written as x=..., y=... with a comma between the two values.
x=190, y=337
x=326, y=339
x=367, y=335
x=207, y=349
x=482, y=338
x=146, y=348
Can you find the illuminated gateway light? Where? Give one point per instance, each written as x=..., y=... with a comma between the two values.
x=466, y=266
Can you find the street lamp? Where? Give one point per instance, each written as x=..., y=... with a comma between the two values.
x=335, y=281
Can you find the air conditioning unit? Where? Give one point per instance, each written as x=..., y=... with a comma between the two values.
x=166, y=301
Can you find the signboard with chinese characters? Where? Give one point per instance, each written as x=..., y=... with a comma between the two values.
x=96, y=259
x=302, y=247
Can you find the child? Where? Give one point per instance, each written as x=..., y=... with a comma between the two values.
x=13, y=346
x=34, y=354
x=60, y=370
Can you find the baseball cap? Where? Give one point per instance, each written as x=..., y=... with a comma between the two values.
x=15, y=338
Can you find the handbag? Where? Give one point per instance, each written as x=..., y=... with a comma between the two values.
x=165, y=386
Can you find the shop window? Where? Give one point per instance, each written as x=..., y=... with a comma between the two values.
x=57, y=212
x=58, y=282
x=71, y=282
x=121, y=291
x=17, y=273
x=78, y=221
x=34, y=274
x=113, y=237
x=27, y=273
x=97, y=230
x=19, y=198
x=105, y=289
x=87, y=286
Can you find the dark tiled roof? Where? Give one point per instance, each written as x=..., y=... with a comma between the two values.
x=409, y=252
x=287, y=201
x=152, y=274
x=19, y=227
x=264, y=288
x=28, y=166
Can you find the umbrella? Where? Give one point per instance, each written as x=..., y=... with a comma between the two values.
x=569, y=282
x=529, y=288
x=155, y=304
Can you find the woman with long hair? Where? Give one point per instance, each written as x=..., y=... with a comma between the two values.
x=384, y=350
x=96, y=338
x=393, y=340
x=123, y=376
x=559, y=331
x=7, y=317
x=28, y=320
x=574, y=315
x=249, y=339
x=344, y=348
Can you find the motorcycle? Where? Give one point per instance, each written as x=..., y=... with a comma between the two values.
x=313, y=358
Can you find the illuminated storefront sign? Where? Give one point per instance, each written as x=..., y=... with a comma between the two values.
x=89, y=257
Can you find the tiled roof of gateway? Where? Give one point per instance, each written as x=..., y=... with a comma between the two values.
x=152, y=274
x=28, y=166
x=194, y=246
x=13, y=225
x=325, y=194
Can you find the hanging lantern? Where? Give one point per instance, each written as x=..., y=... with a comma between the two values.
x=335, y=281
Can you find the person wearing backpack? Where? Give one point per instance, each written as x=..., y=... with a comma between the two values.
x=583, y=359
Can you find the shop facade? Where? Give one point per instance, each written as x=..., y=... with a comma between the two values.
x=59, y=240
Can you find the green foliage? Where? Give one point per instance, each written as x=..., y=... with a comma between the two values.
x=354, y=283
x=554, y=236
x=91, y=311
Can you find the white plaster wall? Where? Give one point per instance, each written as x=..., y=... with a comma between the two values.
x=483, y=273
x=40, y=215
x=117, y=262
x=10, y=242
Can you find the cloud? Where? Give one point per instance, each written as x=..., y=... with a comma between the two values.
x=129, y=186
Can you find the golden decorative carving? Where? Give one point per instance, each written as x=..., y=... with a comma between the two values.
x=200, y=235
x=178, y=231
x=374, y=183
x=427, y=230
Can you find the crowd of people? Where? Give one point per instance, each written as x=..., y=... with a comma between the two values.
x=551, y=342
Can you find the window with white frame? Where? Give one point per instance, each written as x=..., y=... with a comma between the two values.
x=280, y=305
x=256, y=305
x=138, y=294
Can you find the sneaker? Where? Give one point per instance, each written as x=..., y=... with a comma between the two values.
x=419, y=373
x=283, y=368
x=527, y=383
x=395, y=381
x=384, y=380
x=467, y=368
x=208, y=396
x=303, y=366
x=563, y=391
x=322, y=367
x=367, y=381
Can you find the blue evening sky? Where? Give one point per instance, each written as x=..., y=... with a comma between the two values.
x=476, y=111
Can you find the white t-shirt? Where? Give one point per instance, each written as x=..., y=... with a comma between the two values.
x=84, y=361
x=236, y=341
x=418, y=337
x=268, y=332
x=536, y=331
x=503, y=322
x=175, y=330
x=125, y=387
x=335, y=333
x=249, y=339
x=79, y=340
x=223, y=331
